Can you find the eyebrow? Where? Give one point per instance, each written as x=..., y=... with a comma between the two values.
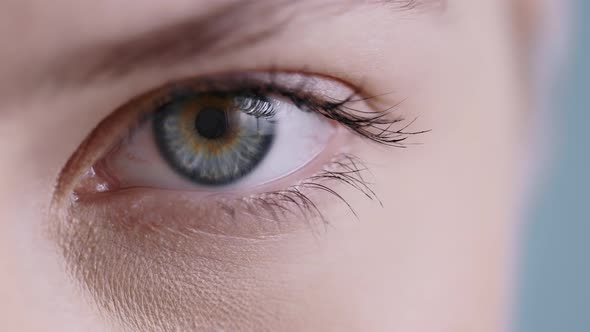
x=232, y=27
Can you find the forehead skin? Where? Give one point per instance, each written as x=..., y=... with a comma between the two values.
x=435, y=258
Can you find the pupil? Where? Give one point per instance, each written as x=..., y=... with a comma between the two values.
x=211, y=123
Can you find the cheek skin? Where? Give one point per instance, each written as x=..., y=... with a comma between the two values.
x=157, y=259
x=157, y=264
x=159, y=279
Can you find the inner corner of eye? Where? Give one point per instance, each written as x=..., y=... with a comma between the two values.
x=205, y=144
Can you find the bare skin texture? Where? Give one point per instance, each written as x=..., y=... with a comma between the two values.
x=430, y=250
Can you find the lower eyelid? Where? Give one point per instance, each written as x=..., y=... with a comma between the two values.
x=159, y=212
x=244, y=215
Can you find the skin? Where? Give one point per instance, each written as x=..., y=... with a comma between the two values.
x=436, y=257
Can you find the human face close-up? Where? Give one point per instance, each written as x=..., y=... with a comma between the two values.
x=193, y=165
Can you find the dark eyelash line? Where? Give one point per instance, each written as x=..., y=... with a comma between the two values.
x=375, y=125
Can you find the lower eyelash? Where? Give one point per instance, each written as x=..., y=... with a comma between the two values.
x=296, y=201
x=149, y=217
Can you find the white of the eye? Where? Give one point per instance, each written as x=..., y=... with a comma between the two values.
x=299, y=138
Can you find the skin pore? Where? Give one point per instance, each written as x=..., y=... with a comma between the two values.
x=429, y=250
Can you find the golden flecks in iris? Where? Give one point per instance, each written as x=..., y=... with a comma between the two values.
x=202, y=145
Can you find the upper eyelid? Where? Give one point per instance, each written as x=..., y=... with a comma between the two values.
x=301, y=89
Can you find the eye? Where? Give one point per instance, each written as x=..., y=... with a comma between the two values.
x=208, y=140
x=234, y=146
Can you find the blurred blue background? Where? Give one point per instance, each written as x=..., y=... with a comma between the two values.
x=555, y=284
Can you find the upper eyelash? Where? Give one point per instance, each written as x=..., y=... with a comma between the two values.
x=375, y=125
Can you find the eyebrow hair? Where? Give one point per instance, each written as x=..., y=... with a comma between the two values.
x=226, y=28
